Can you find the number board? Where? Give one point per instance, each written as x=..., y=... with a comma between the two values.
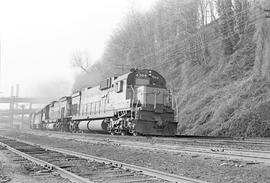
x=147, y=74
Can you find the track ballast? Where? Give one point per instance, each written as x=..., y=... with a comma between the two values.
x=80, y=167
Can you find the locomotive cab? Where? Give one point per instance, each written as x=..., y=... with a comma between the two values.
x=149, y=91
x=151, y=103
x=153, y=99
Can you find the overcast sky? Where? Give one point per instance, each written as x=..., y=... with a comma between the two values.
x=39, y=37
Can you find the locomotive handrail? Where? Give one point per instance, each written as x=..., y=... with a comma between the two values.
x=133, y=98
x=137, y=104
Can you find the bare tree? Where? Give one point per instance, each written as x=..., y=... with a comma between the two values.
x=81, y=60
x=227, y=24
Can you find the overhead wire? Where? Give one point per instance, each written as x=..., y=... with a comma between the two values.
x=194, y=43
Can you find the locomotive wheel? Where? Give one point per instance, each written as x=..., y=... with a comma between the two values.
x=123, y=133
x=112, y=133
x=135, y=134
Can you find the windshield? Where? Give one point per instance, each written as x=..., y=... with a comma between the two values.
x=142, y=81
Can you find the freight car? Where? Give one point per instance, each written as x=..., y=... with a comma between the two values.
x=137, y=102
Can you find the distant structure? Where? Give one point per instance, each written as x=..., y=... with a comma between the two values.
x=19, y=110
x=0, y=67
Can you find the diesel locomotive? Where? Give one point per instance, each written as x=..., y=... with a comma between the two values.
x=136, y=102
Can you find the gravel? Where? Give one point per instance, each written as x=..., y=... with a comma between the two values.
x=194, y=166
x=214, y=143
x=14, y=171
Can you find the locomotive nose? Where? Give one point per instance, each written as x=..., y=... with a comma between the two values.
x=153, y=98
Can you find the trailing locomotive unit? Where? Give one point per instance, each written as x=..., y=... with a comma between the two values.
x=134, y=103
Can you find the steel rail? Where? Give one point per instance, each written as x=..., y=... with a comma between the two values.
x=263, y=157
x=64, y=173
x=250, y=155
x=234, y=140
x=144, y=170
x=236, y=154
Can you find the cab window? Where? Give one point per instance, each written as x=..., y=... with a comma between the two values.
x=119, y=86
x=140, y=81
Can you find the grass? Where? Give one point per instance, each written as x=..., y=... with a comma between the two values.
x=233, y=97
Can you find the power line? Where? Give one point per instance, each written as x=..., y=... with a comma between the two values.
x=196, y=46
x=0, y=67
x=193, y=47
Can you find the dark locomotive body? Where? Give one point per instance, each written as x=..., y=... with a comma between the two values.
x=133, y=103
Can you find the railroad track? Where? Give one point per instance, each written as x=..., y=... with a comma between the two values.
x=209, y=141
x=84, y=168
x=247, y=155
x=235, y=154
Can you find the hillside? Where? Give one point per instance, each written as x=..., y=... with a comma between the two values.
x=230, y=95
x=218, y=69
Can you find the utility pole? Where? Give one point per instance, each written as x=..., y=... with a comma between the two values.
x=11, y=107
x=17, y=90
x=0, y=66
x=23, y=106
x=17, y=94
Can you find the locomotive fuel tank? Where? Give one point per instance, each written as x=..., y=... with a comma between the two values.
x=50, y=126
x=93, y=125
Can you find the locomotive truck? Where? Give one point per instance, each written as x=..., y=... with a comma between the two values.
x=136, y=102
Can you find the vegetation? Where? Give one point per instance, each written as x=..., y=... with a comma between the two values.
x=214, y=55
